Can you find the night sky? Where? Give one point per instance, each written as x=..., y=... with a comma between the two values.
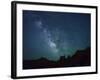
x=54, y=34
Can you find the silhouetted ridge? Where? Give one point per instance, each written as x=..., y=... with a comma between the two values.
x=80, y=58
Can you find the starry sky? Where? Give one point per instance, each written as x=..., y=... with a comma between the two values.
x=54, y=34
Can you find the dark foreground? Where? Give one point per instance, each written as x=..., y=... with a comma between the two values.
x=80, y=58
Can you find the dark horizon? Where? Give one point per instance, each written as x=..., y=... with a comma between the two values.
x=80, y=58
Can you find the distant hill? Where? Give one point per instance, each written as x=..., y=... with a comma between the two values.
x=80, y=58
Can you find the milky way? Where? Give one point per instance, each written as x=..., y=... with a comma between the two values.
x=47, y=37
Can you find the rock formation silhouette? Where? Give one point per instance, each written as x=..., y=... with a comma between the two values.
x=80, y=58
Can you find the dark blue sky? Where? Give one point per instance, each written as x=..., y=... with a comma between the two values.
x=54, y=34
